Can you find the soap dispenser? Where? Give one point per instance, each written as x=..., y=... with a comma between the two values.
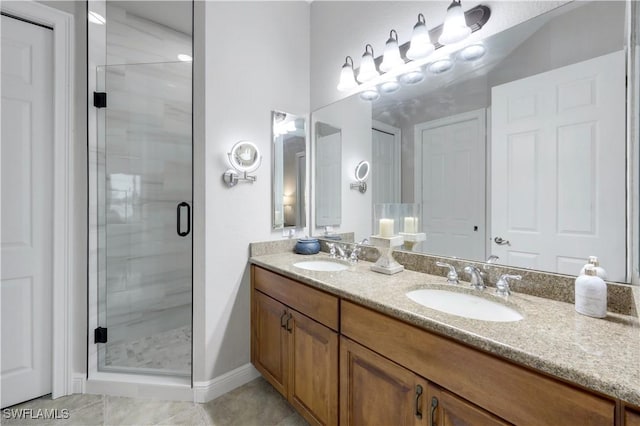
x=591, y=294
x=600, y=271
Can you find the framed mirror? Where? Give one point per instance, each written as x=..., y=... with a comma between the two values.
x=521, y=152
x=289, y=170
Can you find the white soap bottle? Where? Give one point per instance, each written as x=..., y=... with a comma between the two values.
x=600, y=271
x=591, y=294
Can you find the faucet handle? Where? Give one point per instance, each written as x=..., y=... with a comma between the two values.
x=332, y=249
x=452, y=275
x=502, y=286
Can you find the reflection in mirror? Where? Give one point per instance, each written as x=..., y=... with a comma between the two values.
x=289, y=171
x=525, y=145
x=328, y=159
x=362, y=171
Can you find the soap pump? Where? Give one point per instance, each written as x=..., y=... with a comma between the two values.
x=591, y=294
x=600, y=271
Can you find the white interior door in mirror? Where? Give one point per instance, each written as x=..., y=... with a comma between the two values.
x=328, y=178
x=385, y=162
x=450, y=179
x=558, y=168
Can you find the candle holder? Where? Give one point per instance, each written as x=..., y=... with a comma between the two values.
x=411, y=239
x=386, y=264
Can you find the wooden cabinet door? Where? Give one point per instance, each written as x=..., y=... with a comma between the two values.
x=447, y=409
x=376, y=391
x=269, y=340
x=313, y=374
x=631, y=418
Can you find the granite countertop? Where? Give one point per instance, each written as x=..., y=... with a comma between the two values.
x=599, y=354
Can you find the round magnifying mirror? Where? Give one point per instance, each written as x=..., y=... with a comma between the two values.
x=362, y=171
x=245, y=156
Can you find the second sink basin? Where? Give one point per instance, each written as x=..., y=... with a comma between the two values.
x=464, y=305
x=321, y=265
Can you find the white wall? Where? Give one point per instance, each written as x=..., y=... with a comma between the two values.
x=78, y=302
x=257, y=60
x=341, y=28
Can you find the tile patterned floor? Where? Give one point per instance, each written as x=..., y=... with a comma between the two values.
x=169, y=351
x=255, y=404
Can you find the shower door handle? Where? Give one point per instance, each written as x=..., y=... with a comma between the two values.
x=179, y=225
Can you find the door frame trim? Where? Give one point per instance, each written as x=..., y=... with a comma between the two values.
x=63, y=182
x=397, y=141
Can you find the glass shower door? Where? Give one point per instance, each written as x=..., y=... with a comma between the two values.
x=144, y=216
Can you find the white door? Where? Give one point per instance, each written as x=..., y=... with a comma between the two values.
x=450, y=179
x=385, y=164
x=27, y=235
x=328, y=177
x=558, y=168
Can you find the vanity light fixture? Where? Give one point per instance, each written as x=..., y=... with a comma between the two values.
x=347, y=77
x=361, y=174
x=420, y=45
x=405, y=64
x=185, y=58
x=244, y=157
x=391, y=58
x=455, y=28
x=368, y=69
x=472, y=52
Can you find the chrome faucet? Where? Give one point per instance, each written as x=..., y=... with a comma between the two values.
x=340, y=250
x=452, y=275
x=502, y=286
x=353, y=257
x=476, y=277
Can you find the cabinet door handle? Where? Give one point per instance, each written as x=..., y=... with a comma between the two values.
x=434, y=405
x=282, y=322
x=418, y=394
x=289, y=319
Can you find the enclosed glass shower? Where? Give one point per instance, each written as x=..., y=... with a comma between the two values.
x=143, y=196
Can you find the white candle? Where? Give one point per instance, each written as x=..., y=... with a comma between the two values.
x=386, y=227
x=411, y=225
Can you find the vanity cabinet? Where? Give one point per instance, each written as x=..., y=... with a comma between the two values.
x=294, y=343
x=631, y=417
x=377, y=391
x=489, y=384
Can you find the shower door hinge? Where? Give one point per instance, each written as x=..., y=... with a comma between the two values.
x=100, y=335
x=100, y=99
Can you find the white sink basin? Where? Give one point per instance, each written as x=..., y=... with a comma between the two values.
x=321, y=265
x=464, y=305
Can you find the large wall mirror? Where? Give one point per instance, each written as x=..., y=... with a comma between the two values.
x=521, y=154
x=289, y=155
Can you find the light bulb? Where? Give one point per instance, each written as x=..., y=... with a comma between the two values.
x=391, y=58
x=455, y=27
x=368, y=69
x=420, y=46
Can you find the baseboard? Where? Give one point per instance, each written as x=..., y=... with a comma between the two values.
x=211, y=389
x=78, y=383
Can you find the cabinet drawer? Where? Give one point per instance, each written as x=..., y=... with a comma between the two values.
x=313, y=303
x=514, y=393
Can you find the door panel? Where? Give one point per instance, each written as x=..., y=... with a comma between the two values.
x=27, y=236
x=558, y=168
x=450, y=174
x=313, y=387
x=269, y=347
